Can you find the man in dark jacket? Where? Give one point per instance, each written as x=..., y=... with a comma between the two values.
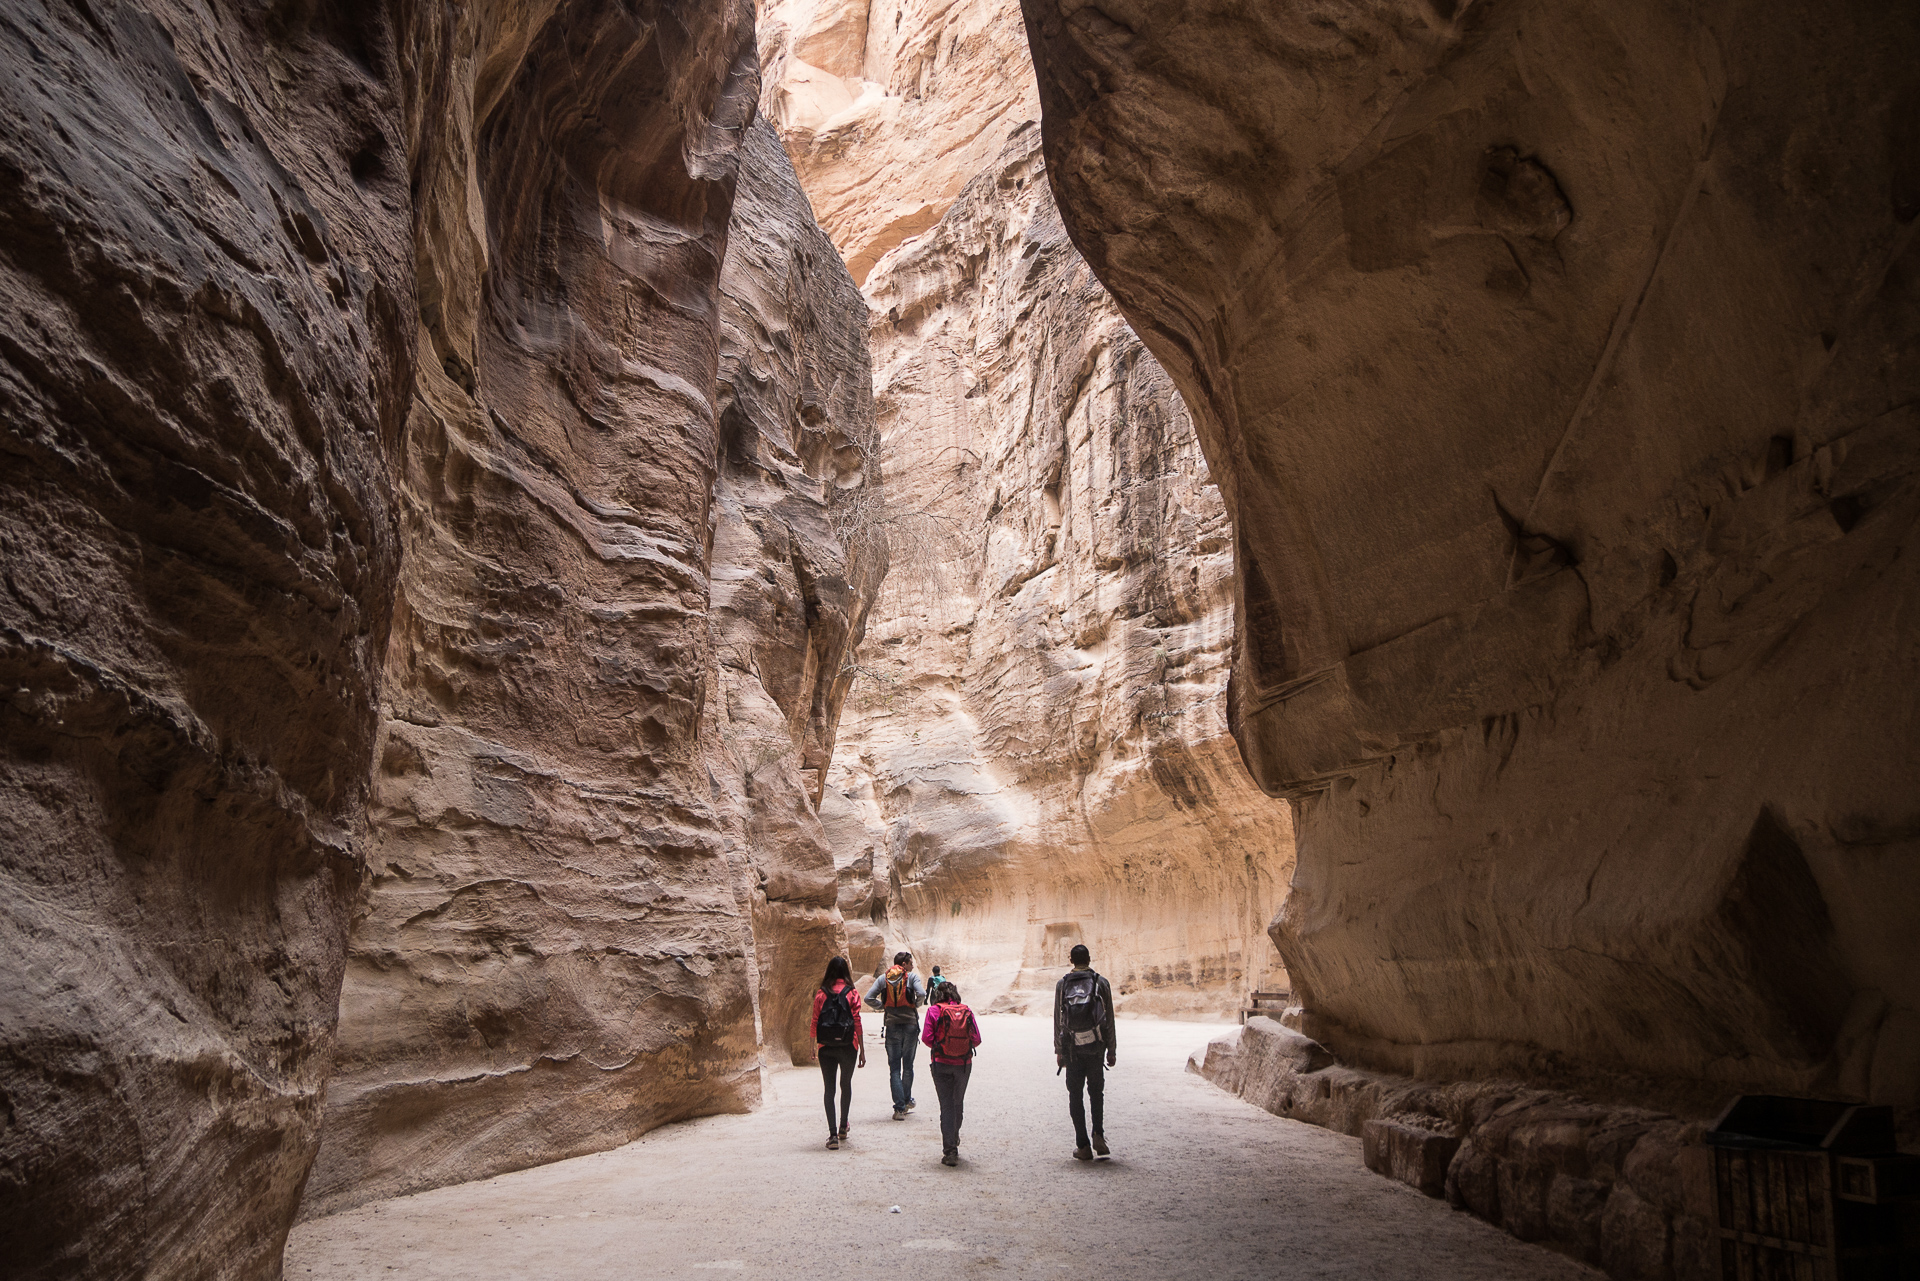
x=1082, y=1039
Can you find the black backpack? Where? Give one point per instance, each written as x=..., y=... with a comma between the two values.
x=835, y=1024
x=1086, y=1012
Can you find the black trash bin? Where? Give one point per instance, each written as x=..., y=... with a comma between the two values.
x=1813, y=1190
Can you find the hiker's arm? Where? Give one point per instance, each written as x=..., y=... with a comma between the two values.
x=873, y=993
x=1106, y=1030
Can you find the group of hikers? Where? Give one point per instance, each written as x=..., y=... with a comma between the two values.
x=1083, y=1044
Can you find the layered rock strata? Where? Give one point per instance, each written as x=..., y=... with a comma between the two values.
x=207, y=274
x=392, y=400
x=617, y=671
x=1036, y=751
x=890, y=107
x=1559, y=370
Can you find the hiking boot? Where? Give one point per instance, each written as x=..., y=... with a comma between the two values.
x=1083, y=1154
x=911, y=1105
x=833, y=1143
x=899, y=1114
x=950, y=1157
x=1100, y=1145
x=843, y=1134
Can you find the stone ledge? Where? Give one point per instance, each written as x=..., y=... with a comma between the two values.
x=1625, y=1189
x=1410, y=1152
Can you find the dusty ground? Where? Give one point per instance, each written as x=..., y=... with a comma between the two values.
x=1201, y=1184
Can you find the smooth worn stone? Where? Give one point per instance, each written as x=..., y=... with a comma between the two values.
x=1558, y=369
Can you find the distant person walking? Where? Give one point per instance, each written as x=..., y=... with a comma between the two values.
x=1082, y=1038
x=897, y=995
x=951, y=1033
x=837, y=1040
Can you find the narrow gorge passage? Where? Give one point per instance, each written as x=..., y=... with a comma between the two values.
x=527, y=526
x=1201, y=1184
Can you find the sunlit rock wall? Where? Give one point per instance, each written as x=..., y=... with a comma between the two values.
x=1035, y=752
x=207, y=279
x=617, y=662
x=1559, y=367
x=890, y=107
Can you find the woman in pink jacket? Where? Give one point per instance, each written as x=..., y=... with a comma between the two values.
x=951, y=1032
x=836, y=1039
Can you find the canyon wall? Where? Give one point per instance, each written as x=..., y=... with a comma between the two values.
x=1558, y=367
x=207, y=272
x=616, y=672
x=890, y=107
x=502, y=681
x=1036, y=753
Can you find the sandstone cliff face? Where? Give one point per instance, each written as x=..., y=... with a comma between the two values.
x=1035, y=753
x=793, y=576
x=552, y=911
x=890, y=107
x=552, y=591
x=618, y=661
x=207, y=279
x=1559, y=369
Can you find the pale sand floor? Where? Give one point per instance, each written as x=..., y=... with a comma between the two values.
x=1201, y=1184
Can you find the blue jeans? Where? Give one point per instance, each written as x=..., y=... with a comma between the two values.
x=903, y=1042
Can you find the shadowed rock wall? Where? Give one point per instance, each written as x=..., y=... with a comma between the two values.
x=204, y=370
x=1036, y=751
x=596, y=847
x=1558, y=366
x=793, y=576
x=552, y=914
x=231, y=231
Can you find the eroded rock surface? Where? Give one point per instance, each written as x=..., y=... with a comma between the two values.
x=554, y=591
x=1559, y=369
x=207, y=277
x=1036, y=753
x=890, y=108
x=793, y=576
x=619, y=656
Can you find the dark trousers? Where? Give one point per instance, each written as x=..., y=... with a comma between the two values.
x=838, y=1059
x=1089, y=1070
x=950, y=1083
x=903, y=1041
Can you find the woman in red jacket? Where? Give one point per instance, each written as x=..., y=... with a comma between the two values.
x=951, y=1032
x=836, y=1039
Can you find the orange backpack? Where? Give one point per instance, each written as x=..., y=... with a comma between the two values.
x=897, y=994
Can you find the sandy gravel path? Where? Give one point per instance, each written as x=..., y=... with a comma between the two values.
x=1201, y=1184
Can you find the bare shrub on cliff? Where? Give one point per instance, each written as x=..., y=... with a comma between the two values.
x=921, y=541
